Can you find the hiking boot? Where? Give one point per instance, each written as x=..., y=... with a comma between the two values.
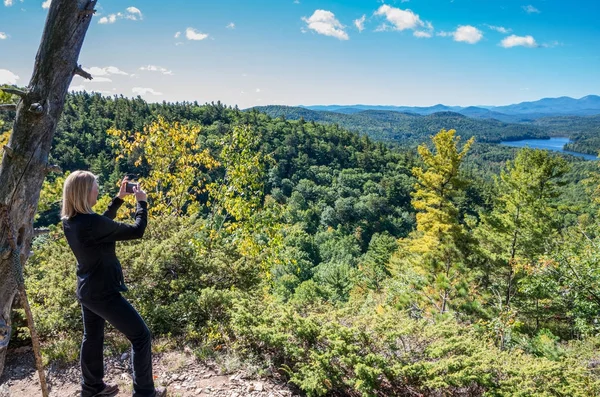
x=161, y=392
x=108, y=391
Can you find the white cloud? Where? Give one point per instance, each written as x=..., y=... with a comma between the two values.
x=360, y=23
x=231, y=25
x=46, y=4
x=145, y=91
x=258, y=90
x=401, y=19
x=153, y=68
x=531, y=9
x=444, y=34
x=468, y=34
x=422, y=34
x=3, y=36
x=131, y=13
x=100, y=80
x=499, y=29
x=514, y=41
x=96, y=71
x=134, y=14
x=193, y=34
x=325, y=23
x=177, y=35
x=8, y=3
x=112, y=18
x=8, y=77
x=77, y=88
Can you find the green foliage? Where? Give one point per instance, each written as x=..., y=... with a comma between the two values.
x=436, y=251
x=384, y=352
x=409, y=128
x=318, y=251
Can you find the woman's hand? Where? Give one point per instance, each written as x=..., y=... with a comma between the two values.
x=123, y=190
x=140, y=195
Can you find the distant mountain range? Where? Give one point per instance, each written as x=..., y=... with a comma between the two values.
x=517, y=113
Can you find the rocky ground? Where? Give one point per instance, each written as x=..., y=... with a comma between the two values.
x=182, y=373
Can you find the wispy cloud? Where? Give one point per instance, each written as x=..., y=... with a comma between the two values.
x=499, y=29
x=144, y=91
x=3, y=36
x=177, y=35
x=401, y=19
x=516, y=41
x=325, y=23
x=131, y=13
x=153, y=68
x=193, y=34
x=422, y=34
x=467, y=34
x=101, y=80
x=531, y=9
x=231, y=25
x=8, y=3
x=46, y=4
x=106, y=71
x=360, y=23
x=8, y=77
x=552, y=44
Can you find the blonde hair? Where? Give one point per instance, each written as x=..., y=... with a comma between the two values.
x=76, y=194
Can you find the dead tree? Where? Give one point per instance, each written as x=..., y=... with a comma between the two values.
x=25, y=160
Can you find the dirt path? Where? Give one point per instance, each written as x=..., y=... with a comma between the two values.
x=181, y=372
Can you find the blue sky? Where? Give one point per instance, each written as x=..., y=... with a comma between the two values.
x=416, y=52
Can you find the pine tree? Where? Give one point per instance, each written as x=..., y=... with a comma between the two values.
x=523, y=220
x=439, y=239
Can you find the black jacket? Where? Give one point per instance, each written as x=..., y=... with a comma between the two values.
x=92, y=239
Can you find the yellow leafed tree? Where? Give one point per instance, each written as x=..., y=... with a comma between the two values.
x=177, y=164
x=435, y=250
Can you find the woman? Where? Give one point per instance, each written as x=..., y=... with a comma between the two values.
x=100, y=282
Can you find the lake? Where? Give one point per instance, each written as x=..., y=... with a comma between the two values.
x=554, y=144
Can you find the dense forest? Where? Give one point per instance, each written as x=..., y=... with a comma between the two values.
x=373, y=264
x=412, y=129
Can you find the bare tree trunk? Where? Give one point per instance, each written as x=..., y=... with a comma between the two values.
x=25, y=160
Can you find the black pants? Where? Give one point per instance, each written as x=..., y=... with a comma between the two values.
x=118, y=312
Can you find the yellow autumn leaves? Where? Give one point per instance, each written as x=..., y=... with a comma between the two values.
x=177, y=165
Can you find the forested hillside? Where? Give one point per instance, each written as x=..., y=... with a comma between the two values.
x=411, y=129
x=351, y=266
x=583, y=131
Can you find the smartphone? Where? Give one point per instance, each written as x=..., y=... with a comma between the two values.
x=129, y=188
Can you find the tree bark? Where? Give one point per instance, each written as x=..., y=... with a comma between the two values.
x=25, y=162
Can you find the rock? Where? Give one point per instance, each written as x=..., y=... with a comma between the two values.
x=250, y=388
x=258, y=386
x=198, y=391
x=124, y=356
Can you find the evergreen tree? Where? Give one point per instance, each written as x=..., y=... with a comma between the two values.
x=523, y=221
x=439, y=241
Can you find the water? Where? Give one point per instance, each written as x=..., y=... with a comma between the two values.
x=554, y=144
